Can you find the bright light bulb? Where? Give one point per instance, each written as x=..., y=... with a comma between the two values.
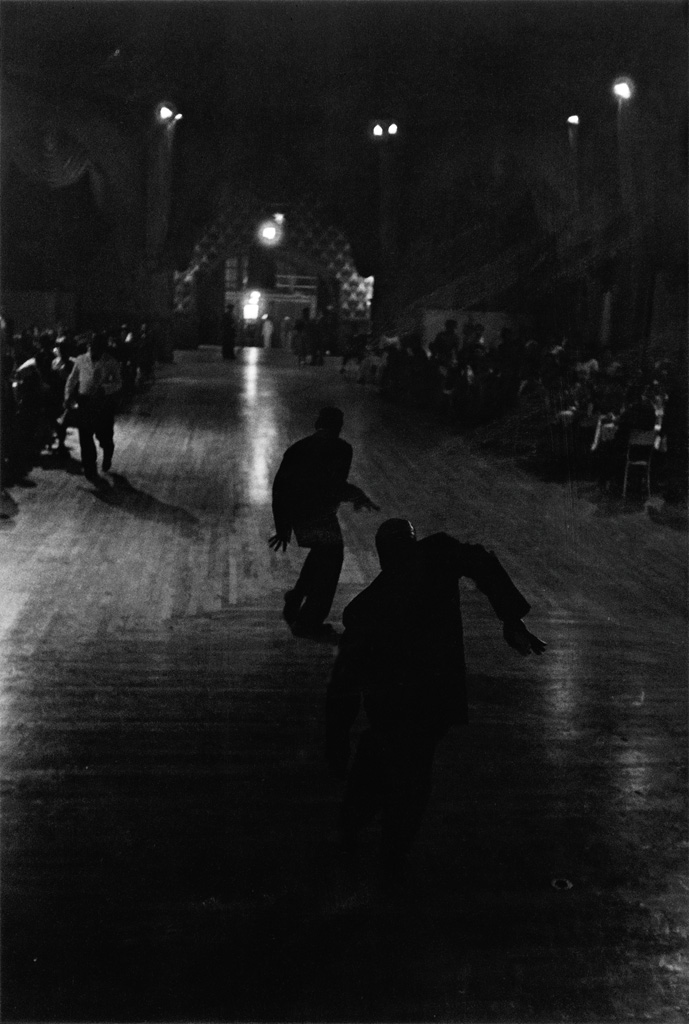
x=573, y=119
x=269, y=232
x=623, y=89
x=392, y=129
x=377, y=130
x=164, y=113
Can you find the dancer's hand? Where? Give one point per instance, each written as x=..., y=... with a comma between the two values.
x=360, y=500
x=518, y=636
x=366, y=503
x=276, y=542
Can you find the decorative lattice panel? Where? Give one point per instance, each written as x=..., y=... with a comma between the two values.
x=307, y=231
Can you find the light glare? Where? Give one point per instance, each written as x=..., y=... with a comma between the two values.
x=392, y=129
x=623, y=88
x=377, y=130
x=573, y=119
x=270, y=232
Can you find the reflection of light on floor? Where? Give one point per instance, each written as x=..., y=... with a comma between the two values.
x=563, y=668
x=259, y=484
x=562, y=693
x=251, y=374
x=261, y=431
x=634, y=775
x=265, y=457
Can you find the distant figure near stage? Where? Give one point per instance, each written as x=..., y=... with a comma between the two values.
x=308, y=488
x=267, y=332
x=305, y=337
x=402, y=652
x=228, y=333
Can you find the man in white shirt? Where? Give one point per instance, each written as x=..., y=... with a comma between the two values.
x=267, y=331
x=94, y=386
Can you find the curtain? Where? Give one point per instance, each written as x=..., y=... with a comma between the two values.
x=46, y=154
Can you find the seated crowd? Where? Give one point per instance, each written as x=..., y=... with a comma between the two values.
x=597, y=397
x=35, y=368
x=458, y=376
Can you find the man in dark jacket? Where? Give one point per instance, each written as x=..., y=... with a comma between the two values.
x=444, y=344
x=228, y=333
x=403, y=653
x=308, y=488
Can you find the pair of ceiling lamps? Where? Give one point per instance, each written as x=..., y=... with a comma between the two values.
x=166, y=113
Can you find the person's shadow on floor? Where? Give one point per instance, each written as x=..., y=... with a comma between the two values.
x=123, y=495
x=60, y=458
x=8, y=511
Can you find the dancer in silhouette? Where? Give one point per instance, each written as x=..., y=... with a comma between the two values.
x=308, y=488
x=402, y=653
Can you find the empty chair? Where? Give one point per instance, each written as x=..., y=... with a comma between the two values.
x=639, y=452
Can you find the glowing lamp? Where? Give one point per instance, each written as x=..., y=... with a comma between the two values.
x=623, y=88
x=251, y=311
x=270, y=232
x=392, y=129
x=378, y=130
x=165, y=113
x=573, y=119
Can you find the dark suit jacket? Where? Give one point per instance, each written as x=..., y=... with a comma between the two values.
x=403, y=647
x=308, y=487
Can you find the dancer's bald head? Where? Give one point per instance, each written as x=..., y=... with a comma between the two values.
x=394, y=542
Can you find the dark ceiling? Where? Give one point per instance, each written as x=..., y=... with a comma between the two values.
x=279, y=94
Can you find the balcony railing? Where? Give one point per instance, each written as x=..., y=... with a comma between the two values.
x=301, y=283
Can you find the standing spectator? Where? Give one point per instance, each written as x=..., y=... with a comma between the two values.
x=60, y=369
x=318, y=341
x=355, y=348
x=31, y=385
x=146, y=354
x=287, y=334
x=228, y=333
x=444, y=344
x=267, y=331
x=95, y=384
x=308, y=488
x=389, y=338
x=304, y=336
x=389, y=345
x=529, y=370
x=403, y=653
x=370, y=365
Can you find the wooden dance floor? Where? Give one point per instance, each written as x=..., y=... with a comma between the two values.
x=167, y=816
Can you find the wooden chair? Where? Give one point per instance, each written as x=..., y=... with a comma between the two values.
x=639, y=452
